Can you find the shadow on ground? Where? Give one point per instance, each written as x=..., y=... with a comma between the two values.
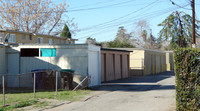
x=144, y=83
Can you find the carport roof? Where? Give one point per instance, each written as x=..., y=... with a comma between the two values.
x=113, y=49
x=154, y=50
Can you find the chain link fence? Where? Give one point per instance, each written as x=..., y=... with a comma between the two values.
x=37, y=81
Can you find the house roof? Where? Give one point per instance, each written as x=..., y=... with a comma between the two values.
x=14, y=31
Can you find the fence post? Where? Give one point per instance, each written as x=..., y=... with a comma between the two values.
x=3, y=84
x=56, y=82
x=34, y=85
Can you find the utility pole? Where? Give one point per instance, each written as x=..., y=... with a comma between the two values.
x=193, y=24
x=168, y=34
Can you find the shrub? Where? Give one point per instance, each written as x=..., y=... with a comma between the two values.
x=187, y=69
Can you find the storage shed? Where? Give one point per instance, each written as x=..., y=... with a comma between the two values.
x=147, y=61
x=82, y=58
x=169, y=60
x=114, y=64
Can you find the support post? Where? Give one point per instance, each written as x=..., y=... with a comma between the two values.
x=3, y=84
x=34, y=85
x=56, y=82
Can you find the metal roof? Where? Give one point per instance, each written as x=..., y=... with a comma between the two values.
x=113, y=49
x=154, y=50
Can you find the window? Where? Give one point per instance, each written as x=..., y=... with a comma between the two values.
x=29, y=52
x=24, y=37
x=51, y=41
x=12, y=38
x=40, y=40
x=48, y=52
x=30, y=37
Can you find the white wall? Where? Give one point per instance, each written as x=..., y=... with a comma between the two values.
x=2, y=60
x=75, y=57
x=94, y=65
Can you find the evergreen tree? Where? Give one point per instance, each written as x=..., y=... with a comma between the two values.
x=90, y=40
x=178, y=26
x=66, y=32
x=122, y=39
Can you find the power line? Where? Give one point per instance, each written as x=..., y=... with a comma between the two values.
x=106, y=6
x=137, y=17
x=160, y=13
x=121, y=16
x=92, y=4
x=149, y=15
x=179, y=5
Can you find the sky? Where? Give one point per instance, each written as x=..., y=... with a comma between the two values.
x=100, y=19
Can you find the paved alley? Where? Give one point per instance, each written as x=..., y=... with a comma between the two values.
x=148, y=93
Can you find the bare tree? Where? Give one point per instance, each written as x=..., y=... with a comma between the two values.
x=142, y=34
x=144, y=37
x=37, y=16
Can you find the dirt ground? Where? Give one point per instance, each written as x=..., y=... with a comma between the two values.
x=149, y=93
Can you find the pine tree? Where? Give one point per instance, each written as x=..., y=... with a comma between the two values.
x=66, y=32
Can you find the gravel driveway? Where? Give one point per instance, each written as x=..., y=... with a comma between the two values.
x=149, y=93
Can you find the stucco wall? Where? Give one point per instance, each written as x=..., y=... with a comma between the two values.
x=73, y=57
x=169, y=61
x=136, y=58
x=154, y=61
x=137, y=63
x=145, y=62
x=3, y=65
x=94, y=65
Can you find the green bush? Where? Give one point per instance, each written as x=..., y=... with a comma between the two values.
x=187, y=69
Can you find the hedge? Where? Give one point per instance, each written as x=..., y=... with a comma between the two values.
x=187, y=69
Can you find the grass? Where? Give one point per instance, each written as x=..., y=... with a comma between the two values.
x=17, y=100
x=41, y=104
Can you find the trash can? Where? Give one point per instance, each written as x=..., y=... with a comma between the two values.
x=67, y=79
x=38, y=79
x=45, y=79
